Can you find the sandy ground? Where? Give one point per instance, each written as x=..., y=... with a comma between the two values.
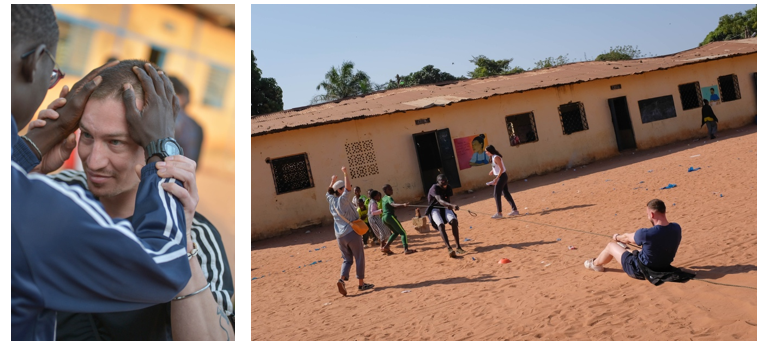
x=216, y=192
x=545, y=292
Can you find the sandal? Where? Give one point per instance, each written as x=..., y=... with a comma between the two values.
x=460, y=250
x=366, y=287
x=410, y=251
x=386, y=251
x=342, y=287
x=452, y=253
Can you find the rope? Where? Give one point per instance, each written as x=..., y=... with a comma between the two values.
x=564, y=228
x=474, y=214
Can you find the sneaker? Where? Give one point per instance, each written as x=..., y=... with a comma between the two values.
x=712, y=137
x=366, y=287
x=342, y=287
x=497, y=216
x=589, y=265
x=513, y=213
x=460, y=250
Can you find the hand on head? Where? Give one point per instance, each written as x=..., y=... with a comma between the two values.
x=157, y=118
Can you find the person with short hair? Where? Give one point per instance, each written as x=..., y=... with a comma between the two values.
x=714, y=98
x=709, y=119
x=109, y=158
x=67, y=254
x=389, y=218
x=340, y=198
x=500, y=182
x=659, y=245
x=361, y=208
x=441, y=211
x=374, y=212
x=189, y=133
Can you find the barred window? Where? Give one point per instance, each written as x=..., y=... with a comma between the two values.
x=572, y=117
x=691, y=97
x=291, y=173
x=73, y=47
x=729, y=86
x=521, y=128
x=361, y=159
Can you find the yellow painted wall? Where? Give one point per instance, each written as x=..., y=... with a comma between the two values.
x=192, y=44
x=397, y=161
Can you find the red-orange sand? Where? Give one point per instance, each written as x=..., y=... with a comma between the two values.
x=545, y=292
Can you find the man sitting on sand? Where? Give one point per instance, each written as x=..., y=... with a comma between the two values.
x=660, y=244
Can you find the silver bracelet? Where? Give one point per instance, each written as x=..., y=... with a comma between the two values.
x=192, y=294
x=33, y=146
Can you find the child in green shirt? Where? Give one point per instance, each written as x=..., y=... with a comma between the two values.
x=390, y=220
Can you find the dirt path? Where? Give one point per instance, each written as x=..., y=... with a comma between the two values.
x=545, y=292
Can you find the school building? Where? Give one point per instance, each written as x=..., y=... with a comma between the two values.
x=541, y=121
x=192, y=42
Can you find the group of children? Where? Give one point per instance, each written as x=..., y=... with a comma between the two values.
x=378, y=212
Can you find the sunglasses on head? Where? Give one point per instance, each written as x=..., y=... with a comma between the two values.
x=56, y=75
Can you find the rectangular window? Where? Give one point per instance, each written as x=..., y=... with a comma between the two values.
x=691, y=97
x=729, y=88
x=157, y=56
x=73, y=47
x=361, y=159
x=572, y=117
x=216, y=86
x=291, y=173
x=521, y=128
x=658, y=108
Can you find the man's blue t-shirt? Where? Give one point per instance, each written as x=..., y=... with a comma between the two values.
x=660, y=245
x=714, y=98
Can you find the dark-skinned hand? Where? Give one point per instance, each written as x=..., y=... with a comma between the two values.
x=56, y=131
x=157, y=119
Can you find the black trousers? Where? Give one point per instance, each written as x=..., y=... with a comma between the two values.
x=501, y=189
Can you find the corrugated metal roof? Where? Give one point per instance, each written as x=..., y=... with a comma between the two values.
x=440, y=94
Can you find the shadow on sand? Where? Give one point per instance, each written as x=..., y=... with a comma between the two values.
x=447, y=281
x=712, y=272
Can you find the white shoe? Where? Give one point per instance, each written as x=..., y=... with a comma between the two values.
x=497, y=216
x=513, y=213
x=589, y=265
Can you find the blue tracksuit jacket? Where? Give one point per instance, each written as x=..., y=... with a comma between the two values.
x=67, y=254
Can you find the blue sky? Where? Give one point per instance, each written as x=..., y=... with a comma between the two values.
x=297, y=44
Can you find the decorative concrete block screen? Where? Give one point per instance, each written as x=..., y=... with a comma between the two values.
x=523, y=127
x=729, y=86
x=361, y=159
x=292, y=173
x=572, y=117
x=658, y=108
x=691, y=97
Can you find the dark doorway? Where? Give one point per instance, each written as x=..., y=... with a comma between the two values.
x=623, y=128
x=436, y=156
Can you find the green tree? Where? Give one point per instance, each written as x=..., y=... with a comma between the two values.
x=342, y=82
x=265, y=94
x=427, y=75
x=733, y=27
x=552, y=62
x=620, y=53
x=488, y=67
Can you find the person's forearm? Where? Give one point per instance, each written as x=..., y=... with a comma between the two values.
x=199, y=317
x=345, y=180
